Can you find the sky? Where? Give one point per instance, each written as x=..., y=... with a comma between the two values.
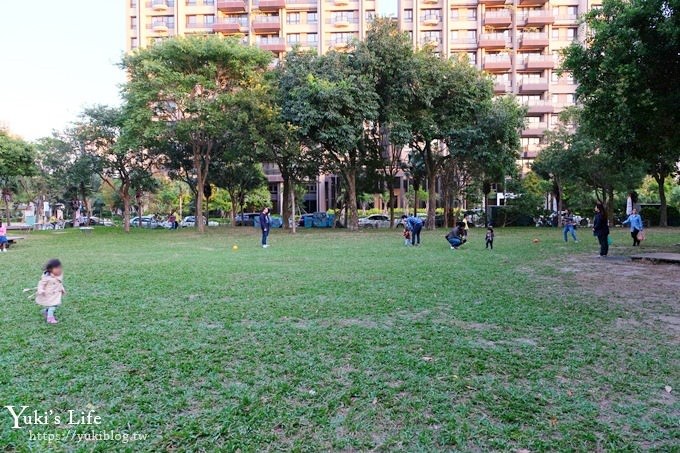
x=57, y=57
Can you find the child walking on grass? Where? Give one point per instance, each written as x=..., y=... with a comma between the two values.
x=3, y=238
x=489, y=238
x=50, y=290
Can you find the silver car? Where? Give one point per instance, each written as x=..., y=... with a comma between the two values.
x=374, y=221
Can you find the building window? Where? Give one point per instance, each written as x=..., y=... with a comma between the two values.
x=133, y=3
x=312, y=38
x=209, y=19
x=408, y=15
x=312, y=18
x=133, y=23
x=432, y=14
x=571, y=33
x=369, y=16
x=570, y=99
x=209, y=2
x=454, y=14
x=342, y=38
x=454, y=35
x=293, y=38
x=556, y=11
x=191, y=20
x=472, y=14
x=554, y=78
x=555, y=33
x=432, y=37
x=572, y=11
x=472, y=35
x=472, y=57
x=134, y=43
x=555, y=98
x=293, y=18
x=192, y=2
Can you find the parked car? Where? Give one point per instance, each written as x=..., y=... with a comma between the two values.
x=246, y=219
x=91, y=221
x=147, y=222
x=190, y=222
x=374, y=221
x=438, y=220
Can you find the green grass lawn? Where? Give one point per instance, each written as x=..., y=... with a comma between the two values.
x=330, y=340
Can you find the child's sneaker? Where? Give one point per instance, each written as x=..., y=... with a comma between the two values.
x=52, y=320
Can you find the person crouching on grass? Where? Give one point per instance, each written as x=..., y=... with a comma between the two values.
x=50, y=290
x=455, y=236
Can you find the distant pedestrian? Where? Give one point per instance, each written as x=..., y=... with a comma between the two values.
x=265, y=225
x=50, y=290
x=635, y=222
x=489, y=238
x=455, y=236
x=3, y=238
x=172, y=220
x=415, y=226
x=601, y=229
x=569, y=226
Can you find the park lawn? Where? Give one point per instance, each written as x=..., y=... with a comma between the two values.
x=331, y=340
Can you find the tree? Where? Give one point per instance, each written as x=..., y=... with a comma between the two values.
x=627, y=73
x=386, y=55
x=330, y=101
x=447, y=95
x=17, y=158
x=187, y=94
x=238, y=178
x=116, y=154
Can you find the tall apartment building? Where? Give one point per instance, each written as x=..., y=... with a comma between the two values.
x=275, y=25
x=516, y=41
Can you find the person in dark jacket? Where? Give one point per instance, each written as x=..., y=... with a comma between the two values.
x=265, y=224
x=415, y=226
x=455, y=236
x=601, y=229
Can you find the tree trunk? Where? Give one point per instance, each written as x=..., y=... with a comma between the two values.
x=416, y=189
x=200, y=183
x=663, y=208
x=353, y=220
x=125, y=195
x=390, y=188
x=431, y=199
x=7, y=216
x=234, y=207
x=287, y=204
x=291, y=190
x=610, y=206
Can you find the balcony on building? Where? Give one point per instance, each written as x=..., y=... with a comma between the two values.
x=269, y=5
x=533, y=40
x=159, y=5
x=266, y=23
x=501, y=87
x=536, y=18
x=493, y=2
x=230, y=25
x=274, y=44
x=539, y=107
x=231, y=6
x=339, y=2
x=493, y=41
x=430, y=42
x=342, y=21
x=431, y=19
x=158, y=26
x=497, y=63
x=532, y=2
x=534, y=130
x=539, y=62
x=498, y=17
x=533, y=86
x=430, y=2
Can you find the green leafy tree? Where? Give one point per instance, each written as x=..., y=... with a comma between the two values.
x=627, y=73
x=188, y=94
x=446, y=96
x=330, y=102
x=17, y=158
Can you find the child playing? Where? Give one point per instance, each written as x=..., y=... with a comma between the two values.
x=50, y=290
x=489, y=238
x=407, y=236
x=3, y=238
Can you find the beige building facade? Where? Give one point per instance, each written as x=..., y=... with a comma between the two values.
x=517, y=42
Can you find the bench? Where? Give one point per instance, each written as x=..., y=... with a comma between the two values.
x=13, y=240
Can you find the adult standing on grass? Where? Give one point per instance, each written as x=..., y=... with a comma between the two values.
x=415, y=226
x=569, y=226
x=265, y=225
x=635, y=222
x=601, y=229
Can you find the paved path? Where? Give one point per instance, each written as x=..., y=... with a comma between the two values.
x=673, y=258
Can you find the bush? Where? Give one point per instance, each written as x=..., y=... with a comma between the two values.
x=651, y=215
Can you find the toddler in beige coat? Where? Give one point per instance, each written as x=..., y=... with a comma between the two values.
x=50, y=290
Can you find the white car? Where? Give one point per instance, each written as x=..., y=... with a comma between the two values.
x=190, y=222
x=374, y=221
x=147, y=222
